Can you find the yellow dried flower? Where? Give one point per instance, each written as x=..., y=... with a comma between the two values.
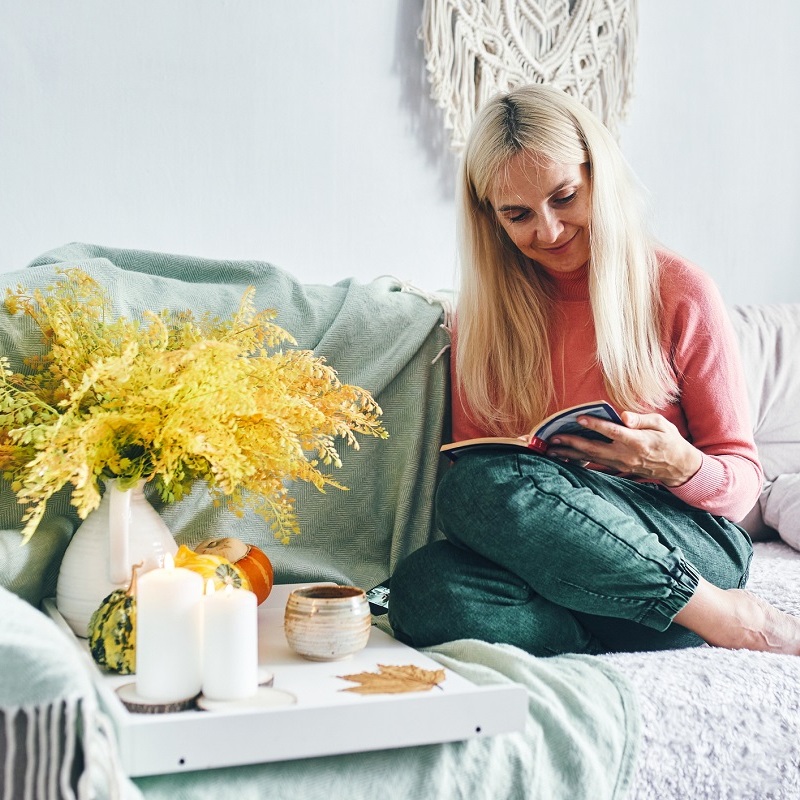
x=172, y=399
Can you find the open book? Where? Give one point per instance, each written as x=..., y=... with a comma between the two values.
x=564, y=421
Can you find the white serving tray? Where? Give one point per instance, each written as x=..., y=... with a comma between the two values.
x=324, y=720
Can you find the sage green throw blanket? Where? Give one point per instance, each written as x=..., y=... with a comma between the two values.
x=374, y=335
x=582, y=729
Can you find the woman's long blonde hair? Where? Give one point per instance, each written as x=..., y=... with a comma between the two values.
x=504, y=305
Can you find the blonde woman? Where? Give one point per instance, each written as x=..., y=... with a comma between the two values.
x=627, y=544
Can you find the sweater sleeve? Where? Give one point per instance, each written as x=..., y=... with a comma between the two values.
x=713, y=396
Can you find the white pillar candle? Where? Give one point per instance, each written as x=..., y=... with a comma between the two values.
x=230, y=643
x=169, y=647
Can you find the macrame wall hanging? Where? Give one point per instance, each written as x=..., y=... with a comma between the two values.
x=476, y=48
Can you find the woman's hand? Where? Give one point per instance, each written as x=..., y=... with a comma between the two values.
x=648, y=446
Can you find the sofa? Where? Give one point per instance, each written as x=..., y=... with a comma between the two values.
x=699, y=723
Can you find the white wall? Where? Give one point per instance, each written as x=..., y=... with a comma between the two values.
x=301, y=133
x=714, y=133
x=294, y=132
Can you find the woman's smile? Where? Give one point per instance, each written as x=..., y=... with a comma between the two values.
x=561, y=248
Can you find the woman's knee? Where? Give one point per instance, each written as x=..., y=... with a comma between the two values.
x=442, y=592
x=421, y=594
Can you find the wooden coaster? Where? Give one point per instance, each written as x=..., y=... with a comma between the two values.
x=265, y=697
x=142, y=705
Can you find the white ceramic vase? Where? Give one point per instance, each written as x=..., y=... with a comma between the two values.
x=123, y=530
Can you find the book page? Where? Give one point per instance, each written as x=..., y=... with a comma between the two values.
x=455, y=449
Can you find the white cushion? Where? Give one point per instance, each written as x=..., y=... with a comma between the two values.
x=769, y=339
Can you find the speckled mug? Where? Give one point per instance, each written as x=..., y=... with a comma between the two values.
x=327, y=623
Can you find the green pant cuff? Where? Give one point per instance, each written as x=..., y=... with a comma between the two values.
x=684, y=578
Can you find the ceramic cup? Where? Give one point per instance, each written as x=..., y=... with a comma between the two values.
x=327, y=623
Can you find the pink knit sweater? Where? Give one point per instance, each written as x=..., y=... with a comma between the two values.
x=713, y=410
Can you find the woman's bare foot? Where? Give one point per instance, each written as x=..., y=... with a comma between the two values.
x=737, y=619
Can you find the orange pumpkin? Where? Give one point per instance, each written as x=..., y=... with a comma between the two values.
x=246, y=558
x=258, y=568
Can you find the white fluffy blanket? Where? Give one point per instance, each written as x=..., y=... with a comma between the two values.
x=720, y=724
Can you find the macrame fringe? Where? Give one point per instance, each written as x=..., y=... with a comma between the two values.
x=477, y=48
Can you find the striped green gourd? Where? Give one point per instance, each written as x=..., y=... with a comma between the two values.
x=112, y=630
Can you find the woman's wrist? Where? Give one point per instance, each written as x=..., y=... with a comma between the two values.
x=686, y=467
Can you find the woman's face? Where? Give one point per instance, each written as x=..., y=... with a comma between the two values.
x=544, y=207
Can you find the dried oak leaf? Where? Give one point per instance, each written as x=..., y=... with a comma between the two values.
x=394, y=679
